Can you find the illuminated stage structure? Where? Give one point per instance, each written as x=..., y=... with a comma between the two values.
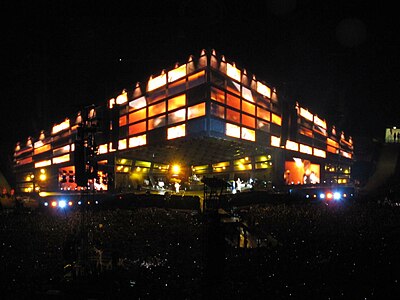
x=205, y=117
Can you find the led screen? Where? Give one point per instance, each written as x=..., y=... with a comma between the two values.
x=301, y=171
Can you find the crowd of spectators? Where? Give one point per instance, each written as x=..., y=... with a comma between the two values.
x=324, y=251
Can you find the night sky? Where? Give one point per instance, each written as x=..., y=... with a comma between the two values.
x=338, y=59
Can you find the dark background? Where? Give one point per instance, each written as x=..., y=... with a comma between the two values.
x=339, y=59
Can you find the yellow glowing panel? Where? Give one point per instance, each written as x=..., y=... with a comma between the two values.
x=306, y=131
x=305, y=149
x=137, y=141
x=137, y=103
x=177, y=73
x=122, y=99
x=319, y=122
x=177, y=116
x=177, y=102
x=156, y=82
x=176, y=132
x=306, y=114
x=137, y=128
x=111, y=103
x=248, y=134
x=157, y=109
x=43, y=163
x=233, y=101
x=196, y=111
x=137, y=115
x=345, y=154
x=276, y=119
x=232, y=130
x=332, y=143
x=38, y=144
x=246, y=94
x=60, y=127
x=221, y=164
x=232, y=72
x=248, y=108
x=61, y=159
x=290, y=145
x=263, y=89
x=319, y=152
x=248, y=121
x=197, y=76
x=263, y=114
x=42, y=149
x=103, y=149
x=275, y=141
x=122, y=144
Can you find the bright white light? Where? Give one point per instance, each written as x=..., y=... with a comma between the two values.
x=322, y=196
x=62, y=203
x=46, y=204
x=336, y=195
x=79, y=202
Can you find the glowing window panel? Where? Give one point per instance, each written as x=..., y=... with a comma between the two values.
x=38, y=144
x=217, y=95
x=248, y=108
x=196, y=111
x=110, y=147
x=157, y=109
x=217, y=110
x=332, y=143
x=137, y=141
x=232, y=130
x=137, y=103
x=42, y=149
x=102, y=149
x=305, y=149
x=248, y=134
x=248, y=121
x=61, y=150
x=246, y=94
x=319, y=153
x=156, y=122
x=24, y=161
x=137, y=115
x=276, y=119
x=122, y=144
x=177, y=116
x=60, y=127
x=232, y=115
x=306, y=131
x=319, y=122
x=111, y=103
x=61, y=159
x=176, y=132
x=306, y=114
x=233, y=101
x=345, y=154
x=290, y=145
x=122, y=99
x=177, y=73
x=233, y=87
x=156, y=82
x=137, y=128
x=331, y=149
x=263, y=114
x=263, y=89
x=197, y=78
x=232, y=72
x=43, y=163
x=177, y=102
x=122, y=121
x=275, y=141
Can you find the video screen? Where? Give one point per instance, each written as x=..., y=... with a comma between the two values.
x=301, y=171
x=392, y=135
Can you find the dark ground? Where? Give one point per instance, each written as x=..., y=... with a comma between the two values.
x=323, y=251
